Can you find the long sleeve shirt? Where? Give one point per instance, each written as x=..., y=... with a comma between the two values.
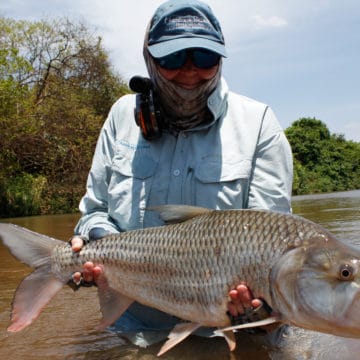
x=241, y=159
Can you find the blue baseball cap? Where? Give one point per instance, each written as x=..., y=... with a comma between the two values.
x=179, y=24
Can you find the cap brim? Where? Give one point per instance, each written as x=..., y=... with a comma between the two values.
x=168, y=47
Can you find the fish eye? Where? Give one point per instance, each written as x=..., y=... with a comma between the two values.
x=346, y=273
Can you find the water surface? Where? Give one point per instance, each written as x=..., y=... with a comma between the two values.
x=65, y=329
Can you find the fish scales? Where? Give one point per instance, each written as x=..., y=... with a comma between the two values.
x=309, y=278
x=194, y=263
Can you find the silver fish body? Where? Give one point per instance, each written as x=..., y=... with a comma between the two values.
x=187, y=269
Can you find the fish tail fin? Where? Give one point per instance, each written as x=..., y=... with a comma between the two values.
x=37, y=289
x=29, y=247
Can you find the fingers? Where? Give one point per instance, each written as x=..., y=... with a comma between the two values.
x=87, y=273
x=244, y=295
x=99, y=276
x=233, y=310
x=242, y=299
x=77, y=243
x=76, y=277
x=255, y=303
x=235, y=306
x=90, y=273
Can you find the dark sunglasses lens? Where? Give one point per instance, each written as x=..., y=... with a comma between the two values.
x=173, y=61
x=205, y=59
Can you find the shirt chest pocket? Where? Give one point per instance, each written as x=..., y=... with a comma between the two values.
x=222, y=182
x=129, y=187
x=140, y=167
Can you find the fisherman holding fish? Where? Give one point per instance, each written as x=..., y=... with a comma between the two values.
x=183, y=138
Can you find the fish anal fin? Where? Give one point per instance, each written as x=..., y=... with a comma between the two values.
x=264, y=322
x=112, y=303
x=180, y=332
x=31, y=296
x=172, y=214
x=230, y=339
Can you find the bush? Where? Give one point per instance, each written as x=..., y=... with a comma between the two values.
x=21, y=195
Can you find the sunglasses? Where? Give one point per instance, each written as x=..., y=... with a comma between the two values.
x=201, y=58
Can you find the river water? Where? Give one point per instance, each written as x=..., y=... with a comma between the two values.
x=65, y=329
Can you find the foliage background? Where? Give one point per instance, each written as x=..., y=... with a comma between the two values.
x=56, y=88
x=323, y=162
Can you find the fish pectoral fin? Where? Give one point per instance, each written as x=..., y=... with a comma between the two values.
x=180, y=332
x=264, y=322
x=112, y=303
x=32, y=295
x=230, y=339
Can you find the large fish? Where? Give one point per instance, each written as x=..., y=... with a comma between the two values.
x=187, y=268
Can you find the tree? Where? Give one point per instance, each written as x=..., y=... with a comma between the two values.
x=306, y=136
x=57, y=86
x=323, y=162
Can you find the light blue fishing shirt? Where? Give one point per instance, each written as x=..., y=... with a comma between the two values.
x=240, y=160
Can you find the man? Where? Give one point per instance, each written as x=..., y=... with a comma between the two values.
x=211, y=148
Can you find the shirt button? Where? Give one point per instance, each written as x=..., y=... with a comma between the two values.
x=176, y=172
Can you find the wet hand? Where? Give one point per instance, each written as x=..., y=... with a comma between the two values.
x=90, y=273
x=244, y=308
x=76, y=243
x=241, y=301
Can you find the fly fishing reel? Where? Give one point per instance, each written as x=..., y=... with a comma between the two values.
x=147, y=114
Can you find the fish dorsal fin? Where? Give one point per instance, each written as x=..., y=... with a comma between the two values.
x=180, y=332
x=172, y=214
x=264, y=322
x=112, y=303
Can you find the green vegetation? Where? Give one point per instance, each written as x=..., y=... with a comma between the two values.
x=56, y=88
x=323, y=162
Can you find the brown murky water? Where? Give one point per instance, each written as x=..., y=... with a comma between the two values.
x=65, y=329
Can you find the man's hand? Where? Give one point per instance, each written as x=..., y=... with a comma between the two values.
x=244, y=308
x=90, y=272
x=242, y=300
x=76, y=243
